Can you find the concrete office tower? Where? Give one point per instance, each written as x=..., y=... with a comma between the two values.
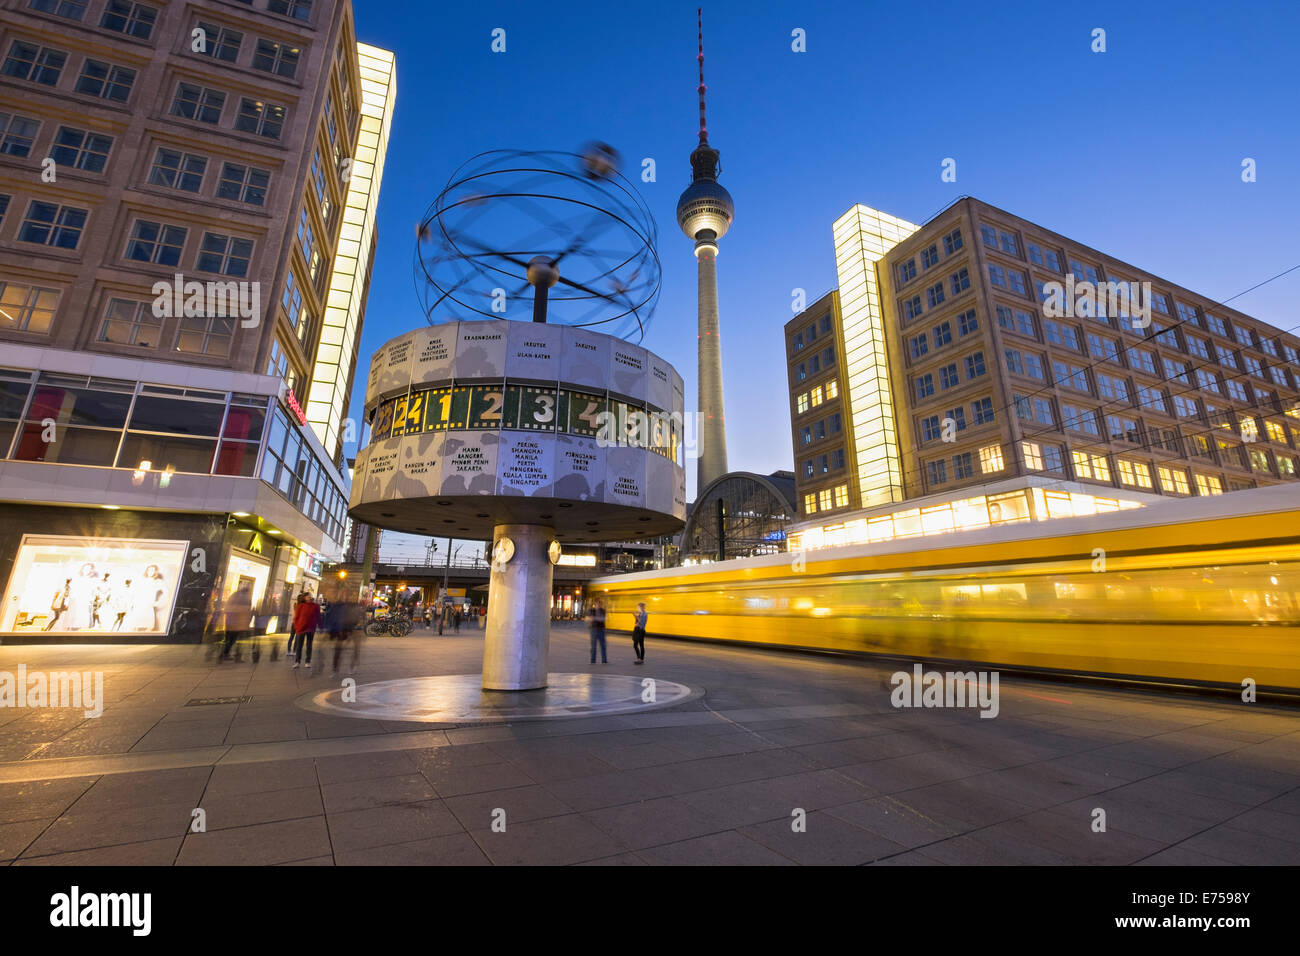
x=704, y=212
x=187, y=195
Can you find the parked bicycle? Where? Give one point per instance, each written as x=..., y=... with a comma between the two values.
x=398, y=625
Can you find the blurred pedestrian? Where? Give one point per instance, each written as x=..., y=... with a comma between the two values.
x=597, y=615
x=239, y=610
x=346, y=629
x=306, y=618
x=638, y=632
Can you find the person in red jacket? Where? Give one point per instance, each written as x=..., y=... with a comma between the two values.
x=306, y=618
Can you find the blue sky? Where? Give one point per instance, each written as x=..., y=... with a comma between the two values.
x=1136, y=151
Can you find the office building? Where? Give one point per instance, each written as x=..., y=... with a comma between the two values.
x=982, y=355
x=187, y=196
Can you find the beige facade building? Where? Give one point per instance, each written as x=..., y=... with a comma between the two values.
x=187, y=202
x=973, y=357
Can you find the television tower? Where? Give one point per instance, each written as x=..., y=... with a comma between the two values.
x=704, y=212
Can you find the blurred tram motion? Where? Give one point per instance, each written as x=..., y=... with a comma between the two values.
x=1202, y=591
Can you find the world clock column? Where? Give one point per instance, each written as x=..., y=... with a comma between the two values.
x=517, y=642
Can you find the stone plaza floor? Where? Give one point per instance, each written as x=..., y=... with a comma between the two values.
x=777, y=758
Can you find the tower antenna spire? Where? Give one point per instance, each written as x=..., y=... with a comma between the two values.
x=704, y=130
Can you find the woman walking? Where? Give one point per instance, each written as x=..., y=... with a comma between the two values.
x=638, y=633
x=598, y=631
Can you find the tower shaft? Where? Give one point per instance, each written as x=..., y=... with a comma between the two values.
x=712, y=461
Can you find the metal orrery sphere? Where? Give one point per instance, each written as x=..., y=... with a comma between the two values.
x=559, y=237
x=705, y=206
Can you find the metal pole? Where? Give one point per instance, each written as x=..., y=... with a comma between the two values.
x=368, y=560
x=722, y=530
x=540, y=295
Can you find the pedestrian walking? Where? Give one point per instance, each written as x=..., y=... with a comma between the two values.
x=597, y=614
x=239, y=608
x=306, y=618
x=638, y=633
x=346, y=629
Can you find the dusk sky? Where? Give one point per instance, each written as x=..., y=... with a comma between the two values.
x=1136, y=151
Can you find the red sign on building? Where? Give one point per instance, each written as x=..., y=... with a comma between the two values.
x=291, y=400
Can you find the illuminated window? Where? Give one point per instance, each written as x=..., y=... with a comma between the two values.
x=801, y=403
x=1231, y=454
x=1092, y=466
x=991, y=459
x=1208, y=485
x=816, y=396
x=824, y=499
x=256, y=116
x=1286, y=465
x=1032, y=455
x=1276, y=432
x=1173, y=480
x=1259, y=461
x=832, y=389
x=27, y=308
x=810, y=504
x=1134, y=473
x=841, y=496
x=1249, y=430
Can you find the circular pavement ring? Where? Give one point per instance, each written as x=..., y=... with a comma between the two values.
x=460, y=698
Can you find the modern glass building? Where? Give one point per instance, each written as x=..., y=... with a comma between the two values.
x=182, y=288
x=982, y=352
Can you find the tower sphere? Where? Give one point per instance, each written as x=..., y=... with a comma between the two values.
x=705, y=205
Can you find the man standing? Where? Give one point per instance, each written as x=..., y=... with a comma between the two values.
x=306, y=618
x=638, y=633
x=598, y=631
